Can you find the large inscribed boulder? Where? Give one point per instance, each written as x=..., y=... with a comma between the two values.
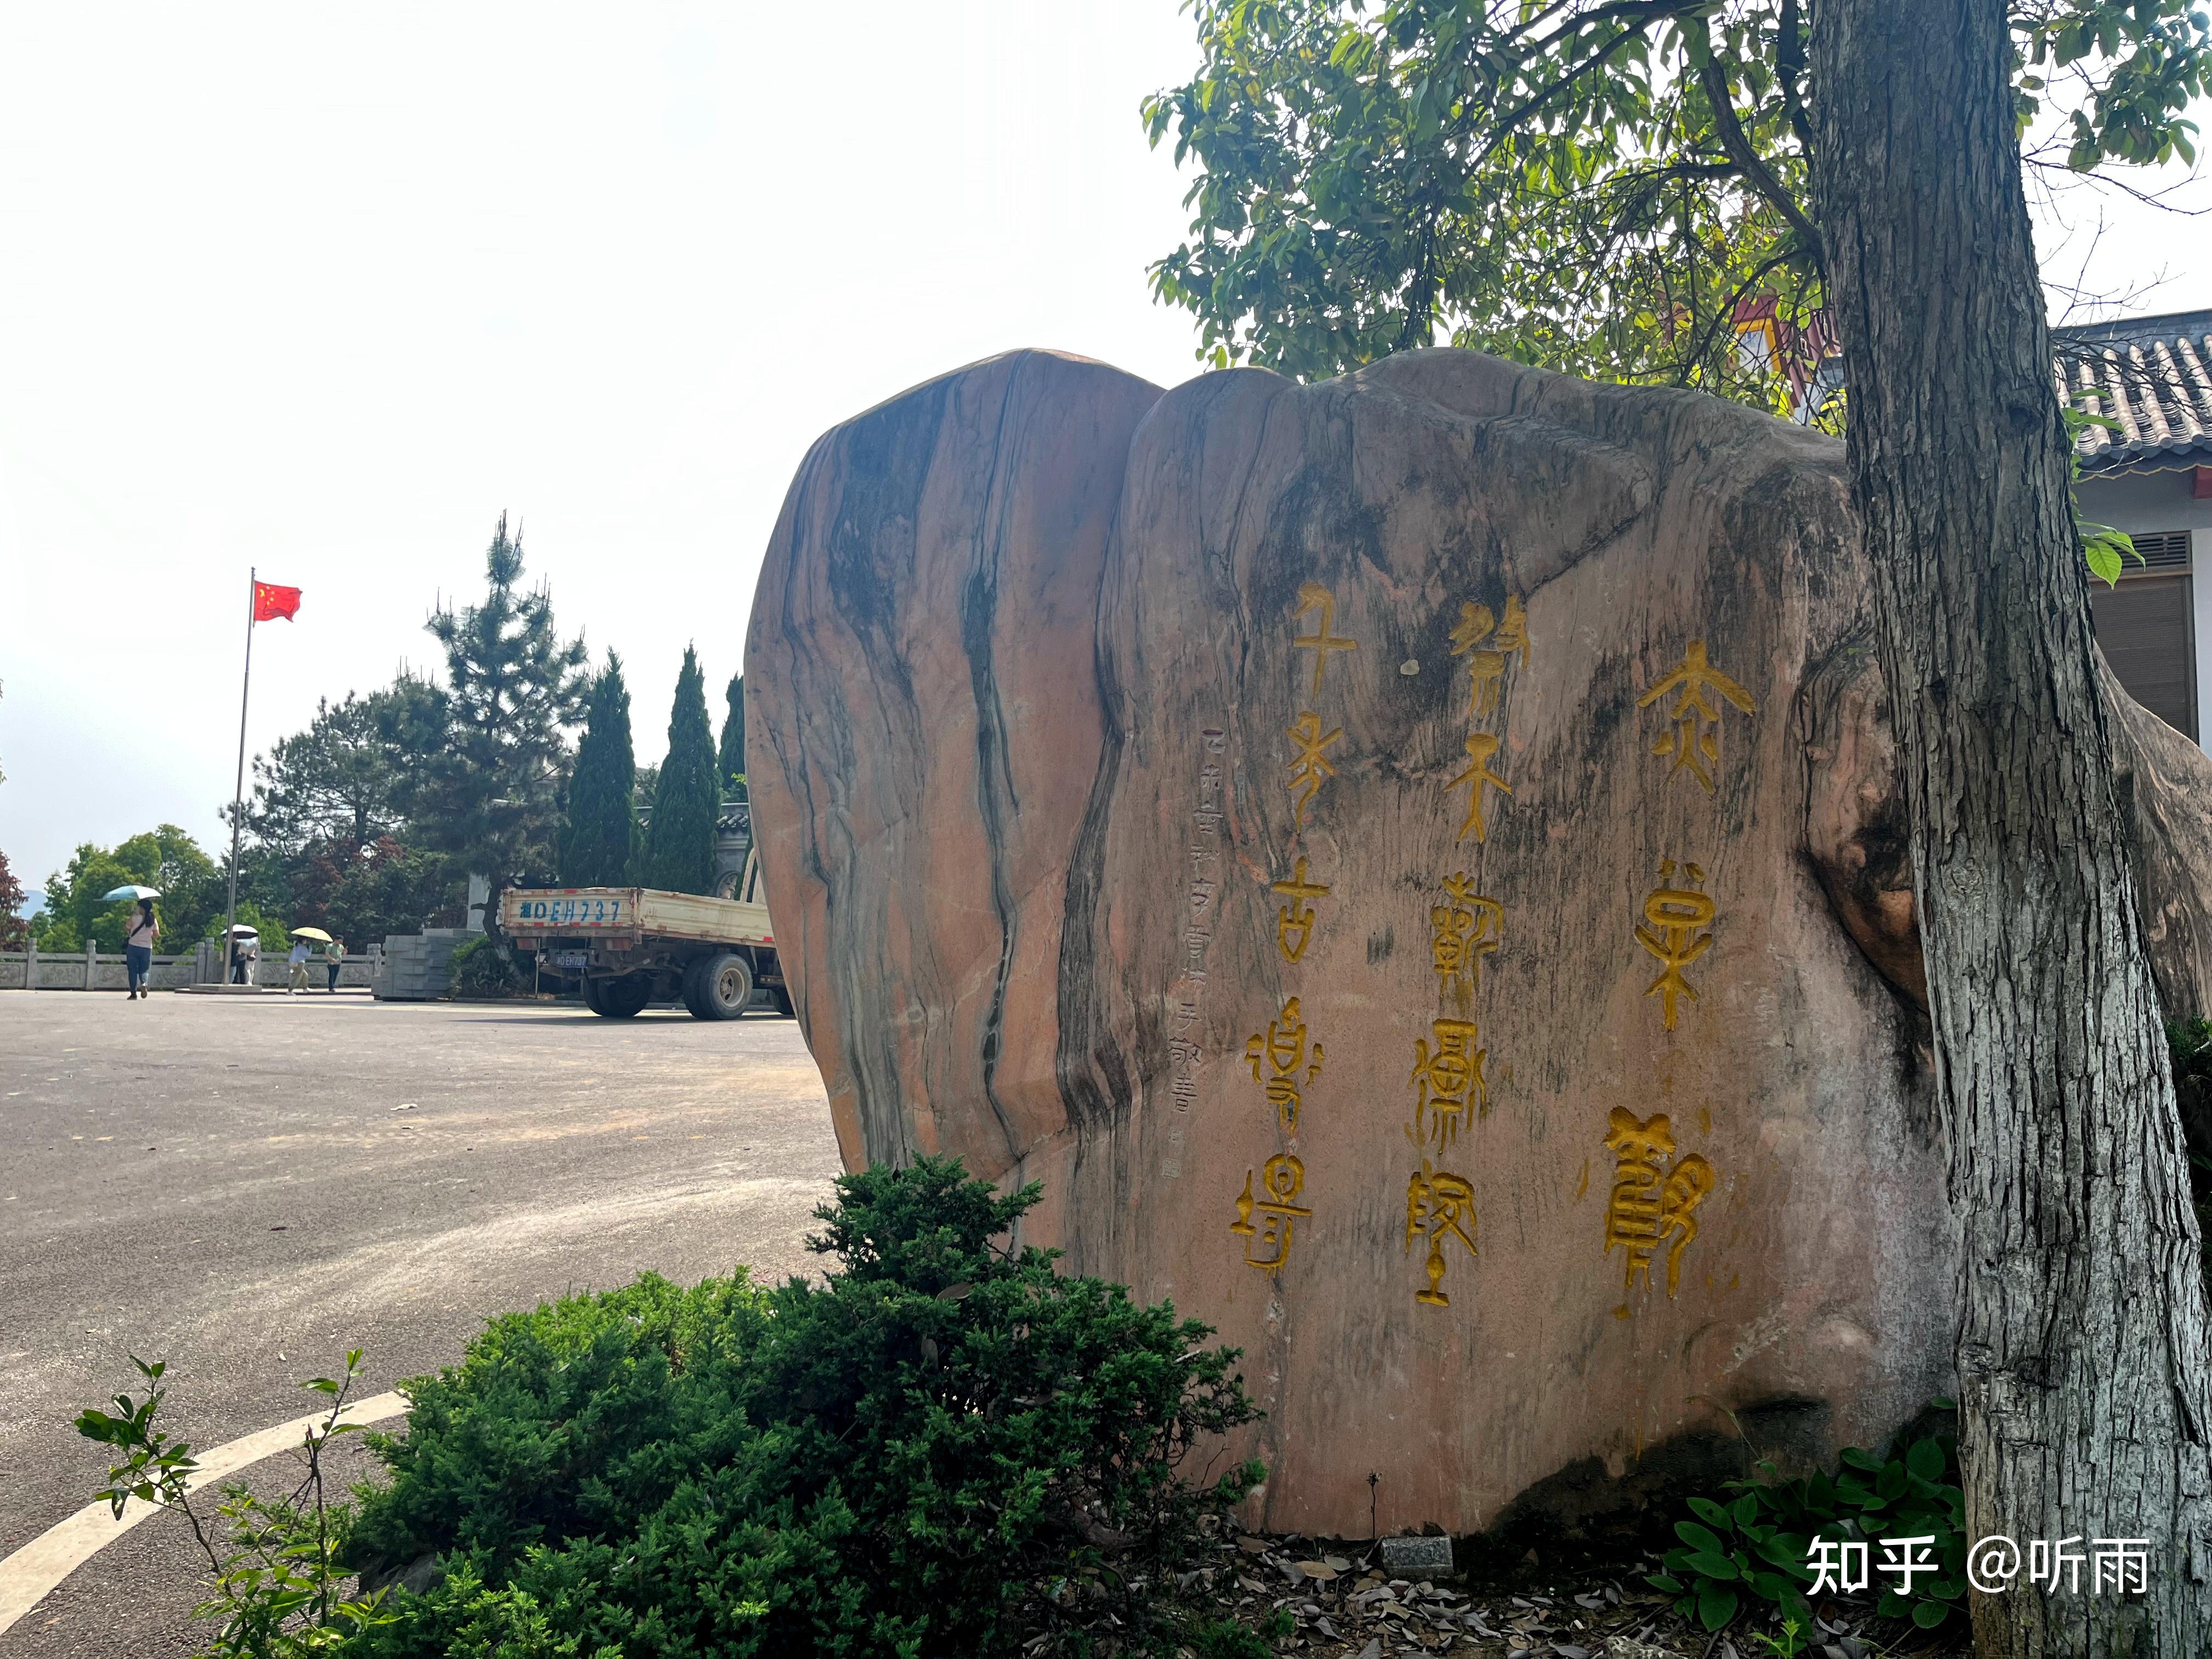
x=1411, y=863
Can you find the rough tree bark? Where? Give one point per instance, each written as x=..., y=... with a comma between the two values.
x=2081, y=1324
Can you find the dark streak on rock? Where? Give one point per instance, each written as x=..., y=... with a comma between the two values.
x=886, y=457
x=995, y=798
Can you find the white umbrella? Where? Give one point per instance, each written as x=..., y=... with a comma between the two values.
x=243, y=928
x=131, y=892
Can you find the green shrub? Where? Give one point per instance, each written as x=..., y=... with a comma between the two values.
x=946, y=1446
x=1758, y=1543
x=483, y=968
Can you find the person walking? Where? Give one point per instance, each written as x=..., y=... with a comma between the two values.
x=138, y=948
x=298, y=959
x=334, y=954
x=244, y=958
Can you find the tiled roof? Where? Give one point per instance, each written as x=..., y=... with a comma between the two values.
x=2153, y=376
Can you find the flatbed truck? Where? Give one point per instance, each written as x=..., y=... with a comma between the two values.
x=630, y=946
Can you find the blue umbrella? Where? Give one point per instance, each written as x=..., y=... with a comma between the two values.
x=132, y=892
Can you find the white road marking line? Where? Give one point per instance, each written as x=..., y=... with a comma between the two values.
x=36, y=1570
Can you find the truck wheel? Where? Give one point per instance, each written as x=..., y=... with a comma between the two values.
x=781, y=995
x=719, y=986
x=624, y=998
x=590, y=993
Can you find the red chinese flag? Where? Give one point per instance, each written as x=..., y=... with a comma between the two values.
x=271, y=602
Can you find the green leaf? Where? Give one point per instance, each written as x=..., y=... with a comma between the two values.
x=1707, y=1564
x=1925, y=1459
x=1705, y=1510
x=2104, y=561
x=1716, y=1604
x=1744, y=1509
x=1665, y=1581
x=1788, y=1551
x=1928, y=1614
x=1699, y=1538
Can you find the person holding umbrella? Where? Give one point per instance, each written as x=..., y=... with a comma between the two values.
x=333, y=954
x=244, y=954
x=138, y=938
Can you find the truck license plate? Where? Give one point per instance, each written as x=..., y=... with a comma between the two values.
x=572, y=958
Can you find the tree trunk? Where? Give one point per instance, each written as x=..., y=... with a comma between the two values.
x=2081, y=1326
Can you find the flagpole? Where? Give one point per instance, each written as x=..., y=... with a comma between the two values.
x=238, y=788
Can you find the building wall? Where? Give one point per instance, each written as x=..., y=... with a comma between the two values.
x=2148, y=503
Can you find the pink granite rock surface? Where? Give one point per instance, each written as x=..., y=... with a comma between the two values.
x=1411, y=862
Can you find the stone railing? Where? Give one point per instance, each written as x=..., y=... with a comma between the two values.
x=91, y=969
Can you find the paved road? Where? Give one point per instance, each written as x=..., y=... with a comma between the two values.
x=247, y=1188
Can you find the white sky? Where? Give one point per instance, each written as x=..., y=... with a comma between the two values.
x=323, y=290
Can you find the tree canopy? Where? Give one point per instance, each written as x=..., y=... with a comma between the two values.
x=679, y=837
x=490, y=744
x=339, y=780
x=599, y=843
x=75, y=912
x=1596, y=187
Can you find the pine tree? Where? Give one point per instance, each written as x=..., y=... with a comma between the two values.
x=489, y=745
x=679, y=839
x=733, y=758
x=336, y=782
x=599, y=843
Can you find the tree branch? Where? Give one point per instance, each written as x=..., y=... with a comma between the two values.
x=1756, y=173
x=1789, y=60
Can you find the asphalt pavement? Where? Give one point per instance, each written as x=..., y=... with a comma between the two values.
x=248, y=1187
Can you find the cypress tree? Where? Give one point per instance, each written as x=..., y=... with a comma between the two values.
x=599, y=844
x=679, y=839
x=733, y=758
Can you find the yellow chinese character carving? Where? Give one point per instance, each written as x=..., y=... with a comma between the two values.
x=1464, y=929
x=1486, y=667
x=1312, y=596
x=1445, y=1083
x=1283, y=1047
x=1513, y=633
x=1649, y=1203
x=1675, y=914
x=1281, y=1180
x=1438, y=1206
x=1481, y=746
x=1692, y=736
x=1294, y=921
x=1311, y=766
